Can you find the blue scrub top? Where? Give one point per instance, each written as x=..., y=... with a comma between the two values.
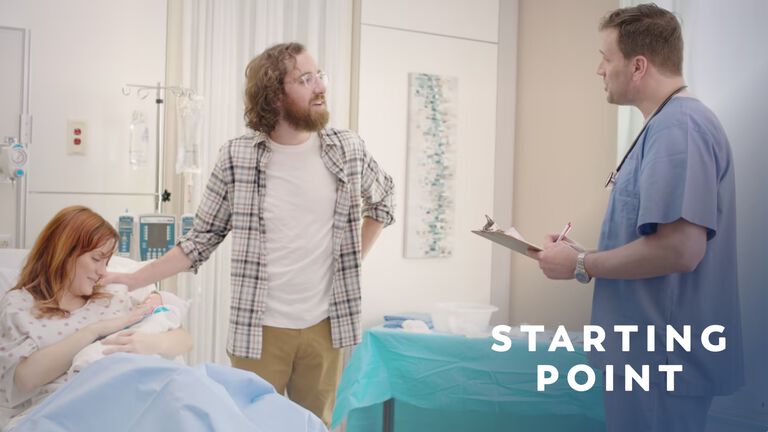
x=681, y=167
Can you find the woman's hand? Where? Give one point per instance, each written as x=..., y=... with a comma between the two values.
x=168, y=344
x=108, y=326
x=134, y=342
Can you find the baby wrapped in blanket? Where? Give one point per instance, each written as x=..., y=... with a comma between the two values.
x=168, y=312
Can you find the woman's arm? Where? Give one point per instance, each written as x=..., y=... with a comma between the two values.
x=49, y=363
x=168, y=344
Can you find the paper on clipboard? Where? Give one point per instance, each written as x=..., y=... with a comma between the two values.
x=510, y=239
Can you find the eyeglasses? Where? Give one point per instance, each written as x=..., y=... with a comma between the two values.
x=311, y=79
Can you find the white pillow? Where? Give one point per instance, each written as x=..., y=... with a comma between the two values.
x=124, y=265
x=11, y=261
x=119, y=264
x=8, y=277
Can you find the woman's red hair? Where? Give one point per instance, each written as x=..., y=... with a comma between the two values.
x=50, y=267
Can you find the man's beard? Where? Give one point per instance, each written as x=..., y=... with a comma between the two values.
x=304, y=118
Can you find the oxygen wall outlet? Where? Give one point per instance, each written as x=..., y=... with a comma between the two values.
x=6, y=241
x=76, y=137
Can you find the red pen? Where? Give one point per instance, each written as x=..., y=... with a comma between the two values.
x=565, y=232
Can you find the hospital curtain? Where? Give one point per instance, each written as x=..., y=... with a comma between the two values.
x=218, y=39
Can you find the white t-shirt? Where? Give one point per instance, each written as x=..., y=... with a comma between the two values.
x=298, y=212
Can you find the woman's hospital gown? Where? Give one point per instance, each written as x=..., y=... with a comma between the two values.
x=21, y=334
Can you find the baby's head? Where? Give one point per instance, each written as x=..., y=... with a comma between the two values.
x=165, y=298
x=153, y=300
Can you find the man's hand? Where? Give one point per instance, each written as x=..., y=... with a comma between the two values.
x=552, y=238
x=557, y=259
x=118, y=278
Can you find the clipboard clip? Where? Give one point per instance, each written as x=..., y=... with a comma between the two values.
x=490, y=225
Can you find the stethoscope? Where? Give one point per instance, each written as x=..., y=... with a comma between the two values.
x=612, y=176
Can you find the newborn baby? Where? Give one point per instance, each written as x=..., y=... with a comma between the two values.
x=167, y=313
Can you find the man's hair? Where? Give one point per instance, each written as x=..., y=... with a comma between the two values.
x=264, y=87
x=650, y=31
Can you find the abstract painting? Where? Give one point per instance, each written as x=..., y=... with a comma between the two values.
x=429, y=209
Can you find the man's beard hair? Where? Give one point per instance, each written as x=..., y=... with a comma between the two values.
x=304, y=118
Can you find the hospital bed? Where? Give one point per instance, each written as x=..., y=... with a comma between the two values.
x=127, y=392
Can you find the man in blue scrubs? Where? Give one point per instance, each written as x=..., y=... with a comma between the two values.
x=667, y=250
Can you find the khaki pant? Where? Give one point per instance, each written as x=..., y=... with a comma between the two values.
x=303, y=362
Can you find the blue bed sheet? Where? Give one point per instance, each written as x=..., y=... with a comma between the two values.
x=126, y=392
x=439, y=375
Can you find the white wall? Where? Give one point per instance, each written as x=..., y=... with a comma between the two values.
x=458, y=40
x=82, y=53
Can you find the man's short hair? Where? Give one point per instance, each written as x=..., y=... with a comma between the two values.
x=650, y=31
x=264, y=86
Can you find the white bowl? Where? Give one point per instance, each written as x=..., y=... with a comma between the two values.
x=469, y=319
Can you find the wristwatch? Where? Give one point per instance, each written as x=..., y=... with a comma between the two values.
x=580, y=273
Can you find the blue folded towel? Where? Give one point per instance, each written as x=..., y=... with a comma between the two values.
x=396, y=320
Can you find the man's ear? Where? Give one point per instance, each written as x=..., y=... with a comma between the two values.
x=279, y=101
x=639, y=67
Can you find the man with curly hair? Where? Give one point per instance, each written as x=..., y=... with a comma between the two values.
x=304, y=203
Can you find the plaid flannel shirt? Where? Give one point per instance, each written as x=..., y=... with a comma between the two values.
x=234, y=201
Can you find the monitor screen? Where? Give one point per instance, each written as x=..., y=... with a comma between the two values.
x=157, y=235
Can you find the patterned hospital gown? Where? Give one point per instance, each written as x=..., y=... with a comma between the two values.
x=21, y=334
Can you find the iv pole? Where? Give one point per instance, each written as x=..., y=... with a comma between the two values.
x=161, y=194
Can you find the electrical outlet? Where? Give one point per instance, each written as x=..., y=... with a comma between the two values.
x=6, y=241
x=76, y=137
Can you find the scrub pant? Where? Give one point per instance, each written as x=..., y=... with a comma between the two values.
x=654, y=411
x=301, y=361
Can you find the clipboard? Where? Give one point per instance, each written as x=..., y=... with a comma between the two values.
x=492, y=232
x=508, y=241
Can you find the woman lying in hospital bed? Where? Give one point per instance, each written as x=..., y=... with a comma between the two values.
x=57, y=310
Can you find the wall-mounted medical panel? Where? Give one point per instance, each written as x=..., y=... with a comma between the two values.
x=76, y=139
